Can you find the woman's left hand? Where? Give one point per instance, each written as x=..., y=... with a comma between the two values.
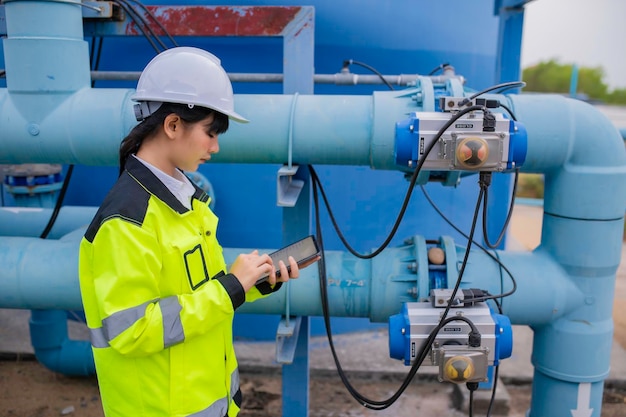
x=286, y=275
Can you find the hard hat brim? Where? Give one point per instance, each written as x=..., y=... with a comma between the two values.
x=231, y=114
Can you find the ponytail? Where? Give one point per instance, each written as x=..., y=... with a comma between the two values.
x=131, y=143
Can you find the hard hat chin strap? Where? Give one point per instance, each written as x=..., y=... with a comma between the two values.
x=144, y=109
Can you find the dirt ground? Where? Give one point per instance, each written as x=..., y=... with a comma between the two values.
x=27, y=389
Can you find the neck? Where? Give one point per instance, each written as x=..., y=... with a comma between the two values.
x=155, y=153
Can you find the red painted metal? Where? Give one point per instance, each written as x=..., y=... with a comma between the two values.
x=218, y=20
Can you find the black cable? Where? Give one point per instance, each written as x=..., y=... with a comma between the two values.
x=379, y=405
x=491, y=297
x=492, y=256
x=493, y=391
x=135, y=17
x=364, y=401
x=141, y=18
x=58, y=204
x=506, y=221
x=348, y=62
x=502, y=87
x=156, y=20
x=94, y=57
x=96, y=63
x=508, y=111
x=92, y=50
x=470, y=240
x=437, y=68
x=405, y=203
x=497, y=367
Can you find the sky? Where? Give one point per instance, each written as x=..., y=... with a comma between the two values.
x=589, y=33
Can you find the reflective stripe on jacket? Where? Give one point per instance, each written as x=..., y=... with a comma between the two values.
x=159, y=303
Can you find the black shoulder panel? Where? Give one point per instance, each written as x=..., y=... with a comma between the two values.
x=127, y=200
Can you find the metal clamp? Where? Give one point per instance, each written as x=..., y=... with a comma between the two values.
x=287, y=339
x=287, y=188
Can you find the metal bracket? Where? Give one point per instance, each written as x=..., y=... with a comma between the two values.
x=97, y=9
x=287, y=339
x=287, y=188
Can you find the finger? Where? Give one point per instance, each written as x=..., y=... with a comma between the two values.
x=265, y=259
x=260, y=260
x=295, y=271
x=284, y=273
x=272, y=274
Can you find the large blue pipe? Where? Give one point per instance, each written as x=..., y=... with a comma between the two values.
x=31, y=221
x=583, y=159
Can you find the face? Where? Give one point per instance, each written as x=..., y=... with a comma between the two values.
x=194, y=144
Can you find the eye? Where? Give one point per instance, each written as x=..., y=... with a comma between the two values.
x=210, y=133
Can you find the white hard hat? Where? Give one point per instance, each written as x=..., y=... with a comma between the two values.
x=186, y=75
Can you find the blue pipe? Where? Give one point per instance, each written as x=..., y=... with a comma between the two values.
x=57, y=67
x=86, y=127
x=54, y=349
x=373, y=288
x=583, y=158
x=30, y=221
x=45, y=50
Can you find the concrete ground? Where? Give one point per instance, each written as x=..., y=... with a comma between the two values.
x=367, y=352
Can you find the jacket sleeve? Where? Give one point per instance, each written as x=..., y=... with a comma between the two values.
x=262, y=290
x=135, y=317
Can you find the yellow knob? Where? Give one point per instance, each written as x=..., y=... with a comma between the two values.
x=459, y=369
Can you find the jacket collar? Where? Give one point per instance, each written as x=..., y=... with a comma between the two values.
x=155, y=187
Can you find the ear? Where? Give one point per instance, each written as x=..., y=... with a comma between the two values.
x=172, y=125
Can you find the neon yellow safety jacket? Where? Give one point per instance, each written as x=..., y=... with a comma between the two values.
x=159, y=303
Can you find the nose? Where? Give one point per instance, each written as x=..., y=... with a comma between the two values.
x=214, y=146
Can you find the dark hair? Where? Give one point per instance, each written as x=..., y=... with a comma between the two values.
x=131, y=143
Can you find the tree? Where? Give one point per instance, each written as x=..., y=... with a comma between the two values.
x=554, y=77
x=617, y=96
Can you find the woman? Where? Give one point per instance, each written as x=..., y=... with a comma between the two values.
x=157, y=294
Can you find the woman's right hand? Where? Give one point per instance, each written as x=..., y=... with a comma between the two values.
x=249, y=267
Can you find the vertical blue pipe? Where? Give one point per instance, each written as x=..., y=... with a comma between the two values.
x=510, y=30
x=45, y=50
x=585, y=196
x=45, y=53
x=508, y=68
x=573, y=83
x=54, y=349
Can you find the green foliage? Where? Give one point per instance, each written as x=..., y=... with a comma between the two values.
x=590, y=82
x=554, y=77
x=617, y=96
x=548, y=77
x=529, y=186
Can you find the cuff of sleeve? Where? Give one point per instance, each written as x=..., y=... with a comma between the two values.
x=265, y=287
x=234, y=289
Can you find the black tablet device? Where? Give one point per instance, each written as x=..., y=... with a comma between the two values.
x=302, y=251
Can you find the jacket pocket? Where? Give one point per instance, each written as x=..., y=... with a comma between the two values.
x=196, y=266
